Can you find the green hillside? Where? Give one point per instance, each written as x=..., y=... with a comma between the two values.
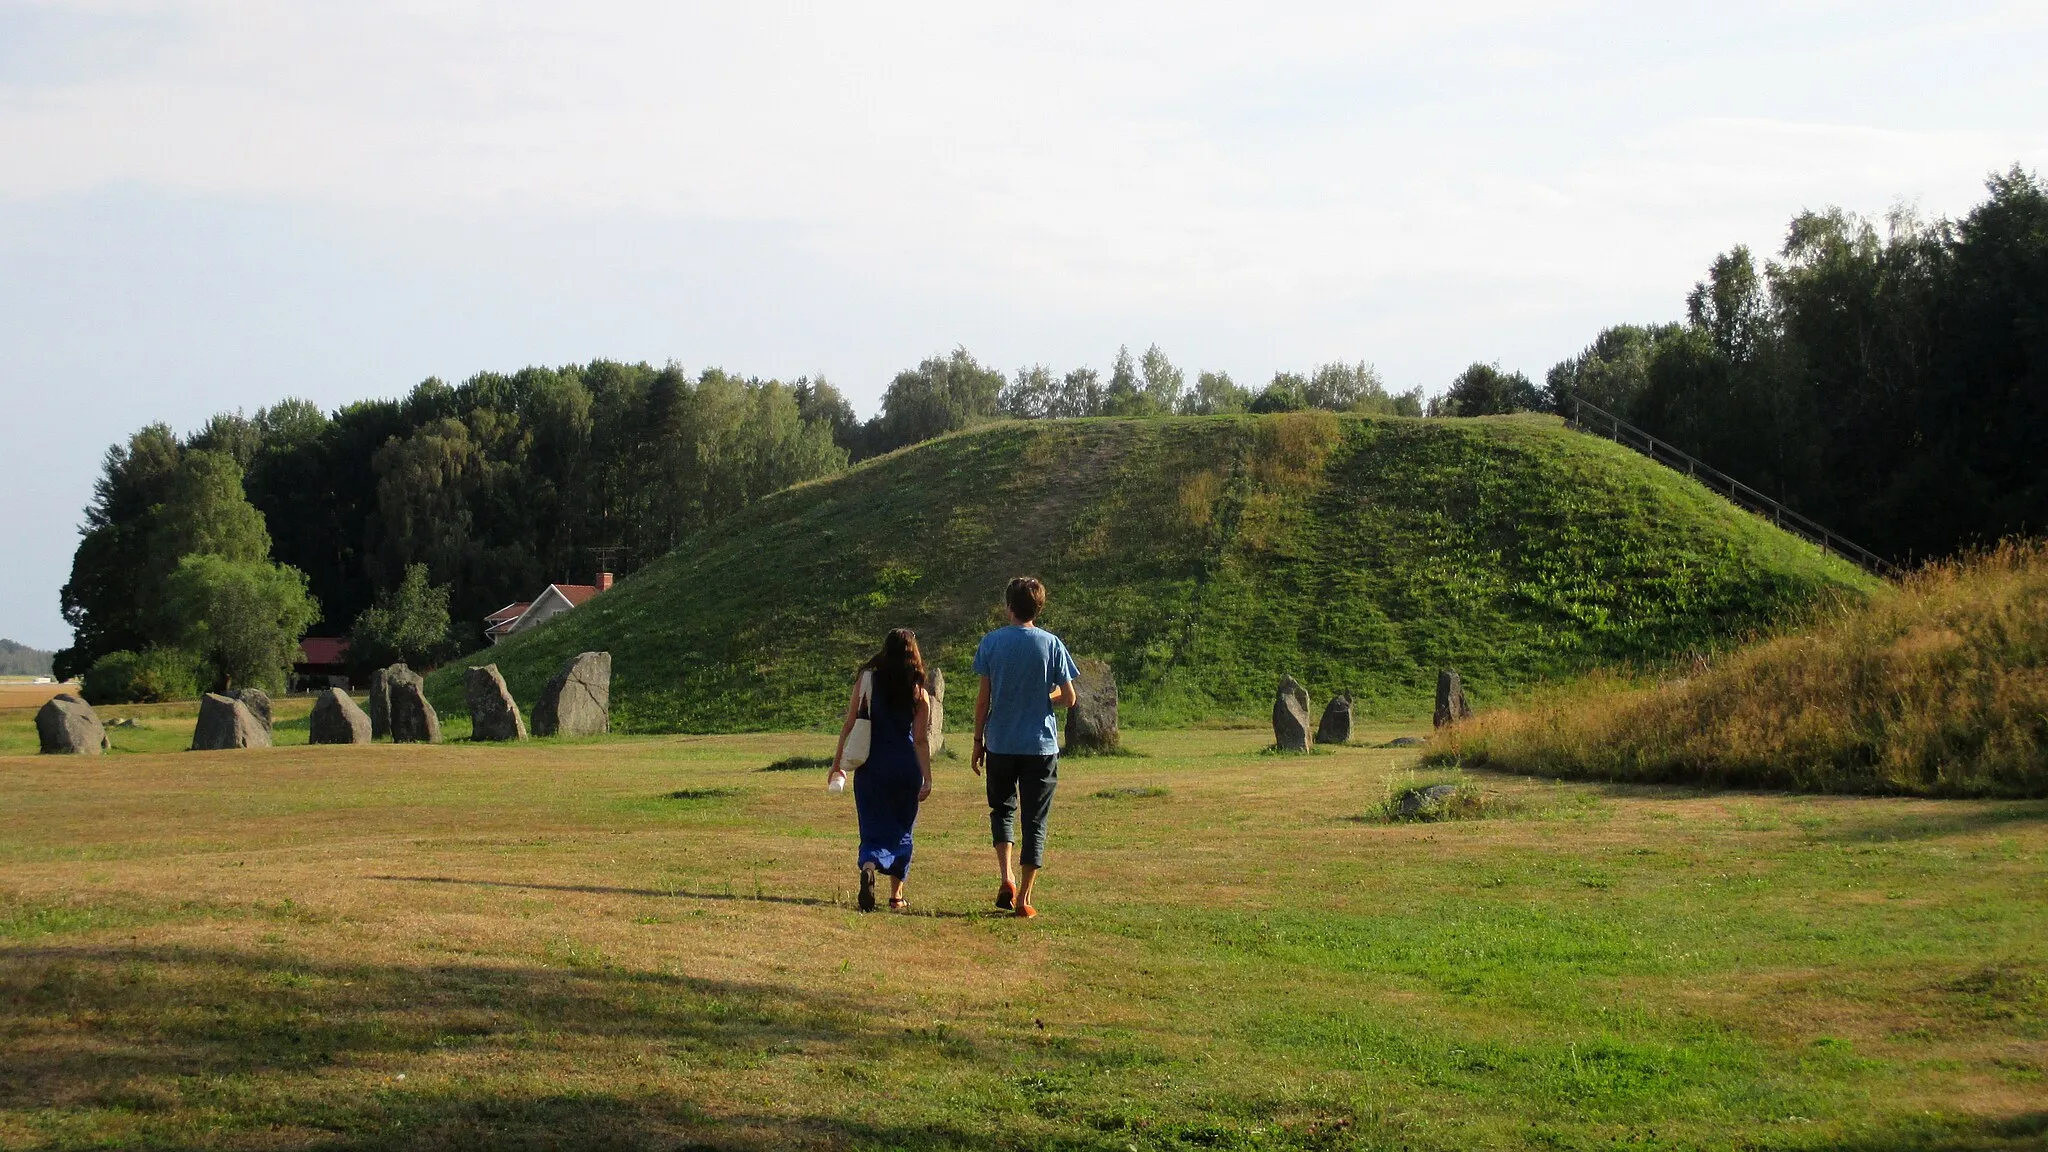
x=1203, y=557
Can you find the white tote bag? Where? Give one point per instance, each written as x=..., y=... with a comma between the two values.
x=863, y=734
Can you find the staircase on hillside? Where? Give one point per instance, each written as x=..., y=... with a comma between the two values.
x=1591, y=418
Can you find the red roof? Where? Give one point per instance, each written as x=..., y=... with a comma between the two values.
x=508, y=613
x=323, y=650
x=575, y=593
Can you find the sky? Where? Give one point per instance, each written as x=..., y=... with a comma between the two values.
x=214, y=206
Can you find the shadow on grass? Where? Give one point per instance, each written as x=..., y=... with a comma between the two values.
x=1967, y=817
x=184, y=1048
x=207, y=1047
x=651, y=893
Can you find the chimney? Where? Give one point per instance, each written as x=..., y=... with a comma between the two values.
x=604, y=581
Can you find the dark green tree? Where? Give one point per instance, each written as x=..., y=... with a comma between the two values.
x=1485, y=390
x=104, y=600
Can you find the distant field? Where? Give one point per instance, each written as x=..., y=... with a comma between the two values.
x=22, y=692
x=648, y=942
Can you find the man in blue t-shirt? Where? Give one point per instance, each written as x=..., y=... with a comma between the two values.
x=1026, y=674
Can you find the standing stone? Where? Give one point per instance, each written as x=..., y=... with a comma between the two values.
x=1450, y=699
x=413, y=719
x=1091, y=722
x=224, y=723
x=337, y=720
x=257, y=701
x=935, y=730
x=578, y=701
x=493, y=715
x=380, y=700
x=67, y=726
x=1290, y=716
x=1336, y=724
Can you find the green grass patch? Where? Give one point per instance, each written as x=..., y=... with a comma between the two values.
x=1135, y=792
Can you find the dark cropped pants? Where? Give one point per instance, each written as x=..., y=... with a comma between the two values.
x=1026, y=783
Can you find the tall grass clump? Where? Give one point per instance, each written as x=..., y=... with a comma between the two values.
x=1937, y=689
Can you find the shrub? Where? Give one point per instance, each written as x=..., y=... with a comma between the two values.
x=146, y=677
x=1939, y=689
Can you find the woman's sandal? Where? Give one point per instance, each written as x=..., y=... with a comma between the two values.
x=899, y=903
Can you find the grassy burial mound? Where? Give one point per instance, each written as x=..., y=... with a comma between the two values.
x=1203, y=557
x=1940, y=689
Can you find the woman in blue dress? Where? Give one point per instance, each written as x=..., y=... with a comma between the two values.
x=897, y=774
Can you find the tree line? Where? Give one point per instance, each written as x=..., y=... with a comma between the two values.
x=1886, y=381
x=1888, y=378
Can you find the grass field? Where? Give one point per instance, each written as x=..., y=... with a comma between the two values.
x=650, y=942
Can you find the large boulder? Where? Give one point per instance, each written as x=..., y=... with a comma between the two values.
x=578, y=701
x=1451, y=706
x=493, y=715
x=67, y=726
x=935, y=728
x=1290, y=716
x=1091, y=722
x=1335, y=727
x=337, y=720
x=257, y=701
x=224, y=723
x=413, y=719
x=380, y=700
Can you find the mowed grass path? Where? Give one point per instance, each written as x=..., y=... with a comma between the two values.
x=651, y=943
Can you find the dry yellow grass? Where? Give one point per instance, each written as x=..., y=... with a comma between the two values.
x=1939, y=688
x=20, y=694
x=650, y=943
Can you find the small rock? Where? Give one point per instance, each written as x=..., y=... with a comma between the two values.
x=493, y=714
x=226, y=723
x=257, y=701
x=1290, y=716
x=1451, y=706
x=413, y=719
x=1417, y=801
x=1335, y=727
x=67, y=726
x=337, y=720
x=1405, y=742
x=1092, y=721
x=578, y=701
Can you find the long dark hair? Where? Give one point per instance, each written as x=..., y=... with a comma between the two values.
x=898, y=669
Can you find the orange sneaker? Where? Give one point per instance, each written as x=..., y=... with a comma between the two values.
x=1006, y=896
x=1024, y=912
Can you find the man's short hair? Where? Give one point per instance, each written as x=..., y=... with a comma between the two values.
x=1026, y=598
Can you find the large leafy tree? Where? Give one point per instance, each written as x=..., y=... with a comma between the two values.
x=942, y=394
x=243, y=617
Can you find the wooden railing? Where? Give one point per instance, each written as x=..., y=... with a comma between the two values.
x=1588, y=417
